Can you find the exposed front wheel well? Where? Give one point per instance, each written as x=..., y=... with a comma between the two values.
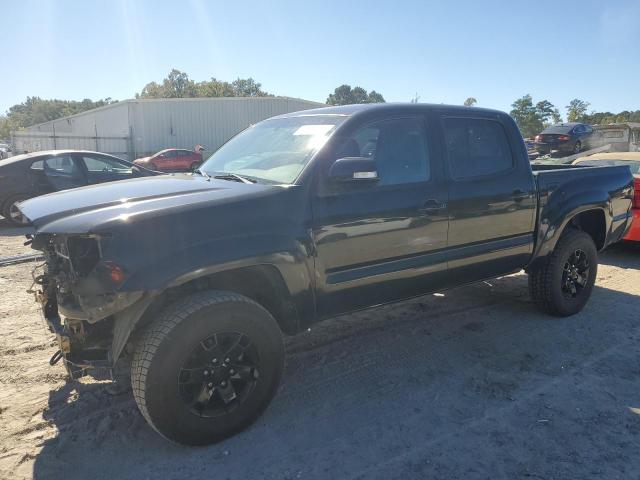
x=261, y=283
x=593, y=223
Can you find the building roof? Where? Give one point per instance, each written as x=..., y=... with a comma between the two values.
x=169, y=100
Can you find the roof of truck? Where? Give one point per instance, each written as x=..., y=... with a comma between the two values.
x=348, y=110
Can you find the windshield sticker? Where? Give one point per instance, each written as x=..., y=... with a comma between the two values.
x=313, y=130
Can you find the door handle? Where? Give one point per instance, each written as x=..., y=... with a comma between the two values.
x=432, y=206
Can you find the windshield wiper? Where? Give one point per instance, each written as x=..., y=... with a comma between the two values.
x=234, y=177
x=203, y=173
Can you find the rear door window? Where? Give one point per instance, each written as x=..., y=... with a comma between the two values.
x=62, y=165
x=476, y=147
x=104, y=164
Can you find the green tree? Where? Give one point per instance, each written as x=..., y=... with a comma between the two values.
x=375, y=97
x=345, y=95
x=5, y=128
x=176, y=85
x=576, y=110
x=531, y=119
x=545, y=110
x=470, y=102
x=214, y=88
x=35, y=110
x=527, y=116
x=179, y=85
x=248, y=88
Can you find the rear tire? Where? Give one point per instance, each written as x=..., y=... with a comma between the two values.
x=577, y=147
x=208, y=367
x=561, y=285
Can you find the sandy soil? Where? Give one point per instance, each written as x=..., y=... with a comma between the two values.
x=470, y=384
x=12, y=240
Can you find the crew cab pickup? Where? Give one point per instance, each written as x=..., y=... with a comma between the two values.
x=192, y=279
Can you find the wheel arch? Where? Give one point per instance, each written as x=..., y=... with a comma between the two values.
x=262, y=283
x=590, y=219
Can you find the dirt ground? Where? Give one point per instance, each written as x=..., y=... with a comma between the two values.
x=469, y=384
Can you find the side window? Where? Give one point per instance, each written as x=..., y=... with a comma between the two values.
x=588, y=129
x=578, y=129
x=398, y=146
x=37, y=165
x=104, y=164
x=61, y=165
x=476, y=147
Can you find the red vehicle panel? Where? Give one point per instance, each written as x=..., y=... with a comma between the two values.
x=172, y=160
x=634, y=232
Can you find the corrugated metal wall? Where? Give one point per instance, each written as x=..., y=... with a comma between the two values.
x=156, y=124
x=110, y=121
x=184, y=123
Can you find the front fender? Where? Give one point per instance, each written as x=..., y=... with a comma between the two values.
x=289, y=256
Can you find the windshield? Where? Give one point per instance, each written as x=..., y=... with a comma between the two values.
x=274, y=150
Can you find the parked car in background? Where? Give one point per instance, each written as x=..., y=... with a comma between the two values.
x=630, y=159
x=171, y=160
x=34, y=174
x=5, y=150
x=567, y=138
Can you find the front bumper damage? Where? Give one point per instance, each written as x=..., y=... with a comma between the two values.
x=83, y=307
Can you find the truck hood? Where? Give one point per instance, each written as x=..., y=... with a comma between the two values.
x=89, y=209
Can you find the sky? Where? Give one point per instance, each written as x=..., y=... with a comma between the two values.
x=443, y=51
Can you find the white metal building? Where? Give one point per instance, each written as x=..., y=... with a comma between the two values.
x=135, y=128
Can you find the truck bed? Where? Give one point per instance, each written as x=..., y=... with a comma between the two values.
x=563, y=191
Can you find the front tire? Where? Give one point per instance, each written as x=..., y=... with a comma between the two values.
x=561, y=285
x=208, y=367
x=12, y=214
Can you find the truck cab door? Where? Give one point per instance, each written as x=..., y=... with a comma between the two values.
x=492, y=196
x=380, y=239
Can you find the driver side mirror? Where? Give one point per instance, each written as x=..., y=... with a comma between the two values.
x=354, y=169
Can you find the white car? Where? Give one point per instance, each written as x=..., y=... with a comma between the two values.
x=5, y=150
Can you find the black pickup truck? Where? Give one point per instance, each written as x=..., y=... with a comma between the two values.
x=193, y=279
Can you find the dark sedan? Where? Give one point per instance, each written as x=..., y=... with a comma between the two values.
x=33, y=174
x=567, y=138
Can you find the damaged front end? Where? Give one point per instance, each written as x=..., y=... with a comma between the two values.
x=78, y=290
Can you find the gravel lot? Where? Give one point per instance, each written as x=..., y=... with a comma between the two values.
x=472, y=383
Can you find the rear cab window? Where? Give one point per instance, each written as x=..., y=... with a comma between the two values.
x=476, y=147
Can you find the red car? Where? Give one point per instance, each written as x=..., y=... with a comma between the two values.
x=632, y=159
x=171, y=160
